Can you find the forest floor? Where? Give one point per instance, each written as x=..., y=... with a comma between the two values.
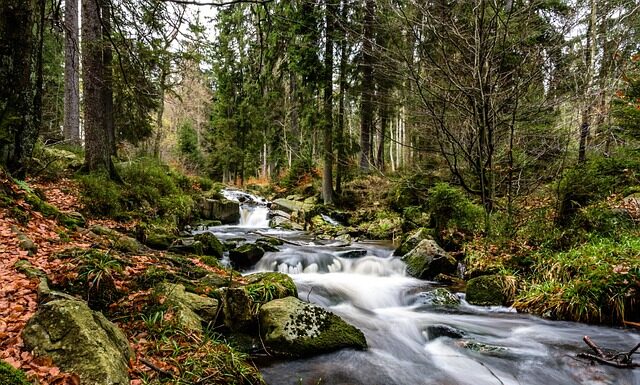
x=50, y=239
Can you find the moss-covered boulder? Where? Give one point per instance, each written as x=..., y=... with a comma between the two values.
x=191, y=309
x=290, y=206
x=187, y=246
x=412, y=241
x=291, y=327
x=157, y=237
x=487, y=290
x=12, y=376
x=246, y=255
x=428, y=259
x=80, y=341
x=267, y=286
x=211, y=245
x=239, y=309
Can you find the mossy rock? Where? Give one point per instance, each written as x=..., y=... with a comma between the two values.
x=265, y=287
x=438, y=297
x=246, y=255
x=157, y=237
x=293, y=328
x=412, y=241
x=191, y=309
x=12, y=376
x=80, y=341
x=127, y=244
x=428, y=259
x=211, y=245
x=69, y=220
x=239, y=308
x=486, y=290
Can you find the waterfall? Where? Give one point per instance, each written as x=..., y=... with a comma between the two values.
x=253, y=209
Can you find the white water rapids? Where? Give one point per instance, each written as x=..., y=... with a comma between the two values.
x=369, y=288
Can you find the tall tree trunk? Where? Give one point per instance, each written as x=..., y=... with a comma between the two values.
x=327, y=173
x=98, y=147
x=341, y=161
x=160, y=113
x=18, y=129
x=366, y=108
x=590, y=53
x=71, y=72
x=107, y=89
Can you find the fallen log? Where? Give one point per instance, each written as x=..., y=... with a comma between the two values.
x=616, y=359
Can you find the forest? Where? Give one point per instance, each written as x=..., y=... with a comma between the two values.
x=201, y=192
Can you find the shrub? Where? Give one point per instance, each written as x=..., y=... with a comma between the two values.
x=595, y=180
x=450, y=208
x=301, y=169
x=100, y=195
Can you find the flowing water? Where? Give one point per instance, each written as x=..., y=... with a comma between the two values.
x=369, y=288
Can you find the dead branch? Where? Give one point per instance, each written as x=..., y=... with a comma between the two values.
x=618, y=360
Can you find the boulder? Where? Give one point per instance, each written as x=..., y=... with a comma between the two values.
x=440, y=330
x=156, y=237
x=356, y=253
x=486, y=290
x=267, y=286
x=291, y=327
x=187, y=247
x=271, y=240
x=246, y=255
x=290, y=206
x=266, y=246
x=428, y=259
x=238, y=308
x=223, y=210
x=284, y=223
x=438, y=297
x=80, y=341
x=412, y=241
x=191, y=309
x=127, y=244
x=211, y=245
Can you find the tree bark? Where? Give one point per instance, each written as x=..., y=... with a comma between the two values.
x=327, y=173
x=18, y=129
x=341, y=161
x=71, y=129
x=98, y=147
x=590, y=53
x=366, y=108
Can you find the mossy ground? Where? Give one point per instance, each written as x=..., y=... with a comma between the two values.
x=11, y=376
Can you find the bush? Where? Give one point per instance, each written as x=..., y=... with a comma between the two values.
x=595, y=180
x=100, y=195
x=301, y=169
x=450, y=208
x=410, y=190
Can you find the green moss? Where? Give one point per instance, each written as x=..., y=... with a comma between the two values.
x=12, y=376
x=265, y=287
x=486, y=290
x=210, y=244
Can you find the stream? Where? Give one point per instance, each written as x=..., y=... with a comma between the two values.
x=368, y=287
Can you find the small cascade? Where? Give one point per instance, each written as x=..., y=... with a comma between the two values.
x=329, y=220
x=253, y=209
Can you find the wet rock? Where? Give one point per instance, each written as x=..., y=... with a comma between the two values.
x=211, y=245
x=81, y=341
x=294, y=328
x=284, y=223
x=229, y=245
x=225, y=211
x=412, y=241
x=271, y=240
x=278, y=213
x=266, y=246
x=191, y=309
x=246, y=255
x=486, y=290
x=428, y=259
x=438, y=297
x=357, y=253
x=482, y=347
x=238, y=308
x=440, y=330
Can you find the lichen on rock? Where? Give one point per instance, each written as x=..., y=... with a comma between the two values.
x=291, y=327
